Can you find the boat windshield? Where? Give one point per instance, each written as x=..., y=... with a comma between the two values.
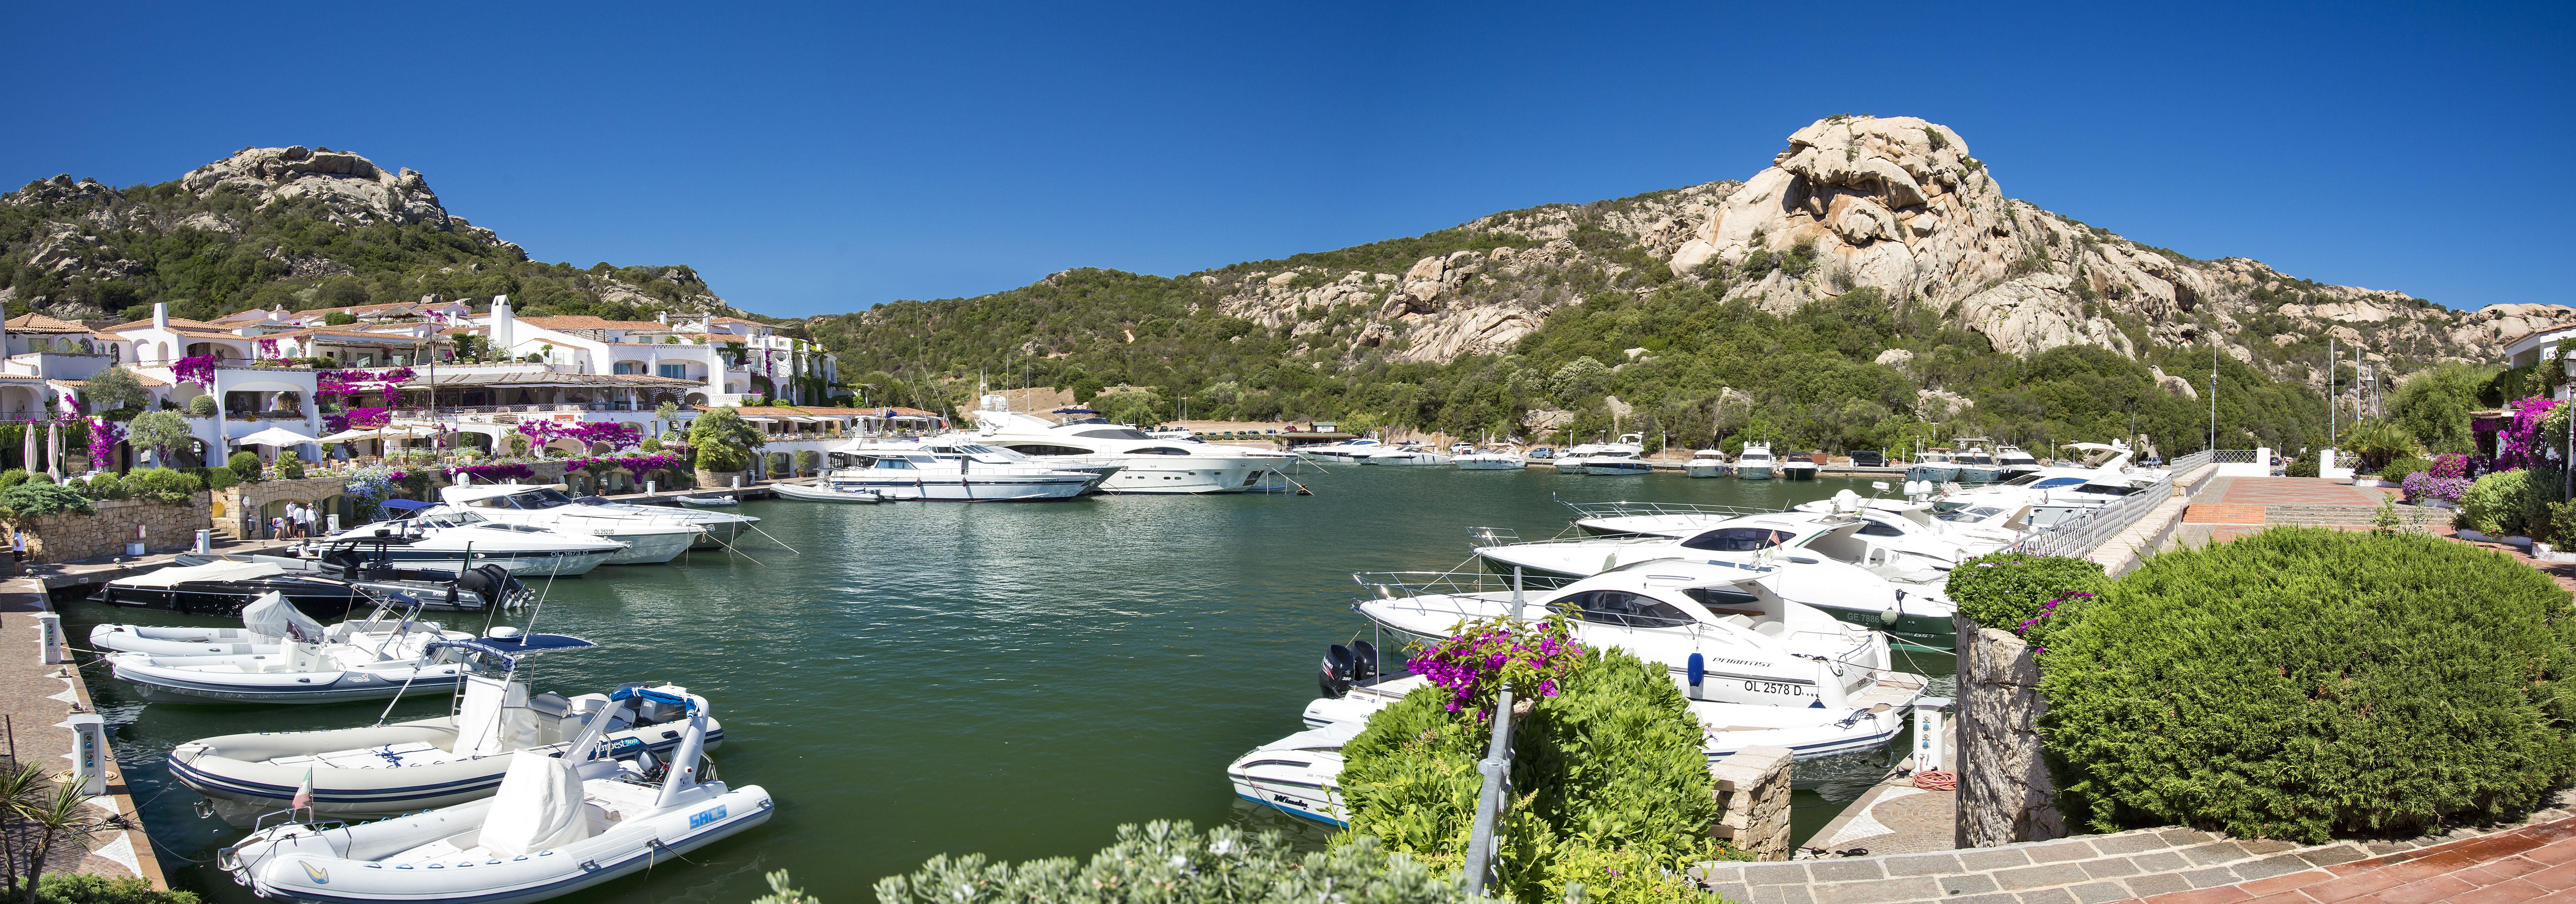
x=1113, y=433
x=541, y=498
x=1739, y=539
x=1971, y=515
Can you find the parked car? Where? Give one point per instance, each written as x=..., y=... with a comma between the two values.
x=1869, y=459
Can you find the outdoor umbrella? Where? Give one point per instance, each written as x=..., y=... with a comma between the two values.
x=274, y=436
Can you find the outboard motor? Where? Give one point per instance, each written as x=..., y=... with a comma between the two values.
x=1335, y=674
x=1363, y=661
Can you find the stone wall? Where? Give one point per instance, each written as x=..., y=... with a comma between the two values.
x=69, y=537
x=235, y=504
x=2005, y=792
x=1753, y=801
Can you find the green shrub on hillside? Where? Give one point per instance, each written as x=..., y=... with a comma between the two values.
x=1611, y=789
x=2004, y=589
x=2303, y=683
x=42, y=497
x=1173, y=863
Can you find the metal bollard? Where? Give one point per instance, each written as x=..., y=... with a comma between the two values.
x=89, y=752
x=49, y=638
x=737, y=481
x=331, y=523
x=206, y=538
x=648, y=487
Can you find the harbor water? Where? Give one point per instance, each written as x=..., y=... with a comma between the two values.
x=1016, y=680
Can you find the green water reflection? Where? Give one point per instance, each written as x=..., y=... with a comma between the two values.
x=1010, y=679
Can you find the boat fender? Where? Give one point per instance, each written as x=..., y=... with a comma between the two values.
x=1363, y=660
x=1334, y=676
x=1698, y=673
x=1894, y=610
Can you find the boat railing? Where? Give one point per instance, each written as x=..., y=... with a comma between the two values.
x=1395, y=584
x=1625, y=509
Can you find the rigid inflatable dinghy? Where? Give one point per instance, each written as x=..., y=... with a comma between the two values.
x=311, y=665
x=385, y=769
x=257, y=635
x=558, y=825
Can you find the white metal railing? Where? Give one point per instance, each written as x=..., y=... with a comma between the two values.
x=2088, y=530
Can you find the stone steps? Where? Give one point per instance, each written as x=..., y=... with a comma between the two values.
x=2085, y=870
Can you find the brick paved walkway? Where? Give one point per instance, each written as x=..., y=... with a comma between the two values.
x=2533, y=863
x=2289, y=491
x=35, y=697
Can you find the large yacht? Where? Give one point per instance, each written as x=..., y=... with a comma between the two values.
x=448, y=539
x=1407, y=455
x=1145, y=464
x=1977, y=464
x=1934, y=466
x=1343, y=453
x=1707, y=463
x=2013, y=462
x=1573, y=461
x=1756, y=463
x=652, y=534
x=968, y=474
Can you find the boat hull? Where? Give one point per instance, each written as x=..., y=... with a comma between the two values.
x=1799, y=472
x=163, y=684
x=1196, y=480
x=1753, y=472
x=1933, y=473
x=825, y=494
x=995, y=489
x=1617, y=468
x=624, y=848
x=1704, y=469
x=240, y=789
x=652, y=548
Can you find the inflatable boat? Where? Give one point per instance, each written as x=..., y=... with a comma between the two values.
x=386, y=769
x=312, y=664
x=558, y=825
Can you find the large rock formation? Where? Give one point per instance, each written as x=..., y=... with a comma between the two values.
x=352, y=190
x=1895, y=203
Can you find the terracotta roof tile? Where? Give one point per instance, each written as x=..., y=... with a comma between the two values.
x=587, y=322
x=32, y=322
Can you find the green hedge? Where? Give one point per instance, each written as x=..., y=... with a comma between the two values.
x=245, y=466
x=2510, y=502
x=2001, y=590
x=2395, y=471
x=2302, y=683
x=1612, y=789
x=1172, y=863
x=84, y=888
x=35, y=498
x=162, y=484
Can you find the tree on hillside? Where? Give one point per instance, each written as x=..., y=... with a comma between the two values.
x=2434, y=406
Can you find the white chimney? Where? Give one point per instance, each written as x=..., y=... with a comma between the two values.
x=160, y=316
x=662, y=317
x=504, y=327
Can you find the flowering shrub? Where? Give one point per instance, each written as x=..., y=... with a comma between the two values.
x=617, y=435
x=2452, y=465
x=368, y=489
x=104, y=434
x=2422, y=486
x=1474, y=664
x=195, y=370
x=351, y=382
x=367, y=418
x=495, y=472
x=2522, y=442
x=638, y=465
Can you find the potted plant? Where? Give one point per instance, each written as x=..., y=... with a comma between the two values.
x=723, y=443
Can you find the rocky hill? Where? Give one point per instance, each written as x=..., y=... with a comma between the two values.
x=1885, y=233
x=294, y=226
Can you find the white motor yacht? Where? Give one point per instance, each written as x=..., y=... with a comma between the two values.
x=653, y=535
x=1707, y=463
x=1976, y=463
x=1800, y=466
x=966, y=477
x=1756, y=463
x=1932, y=466
x=1617, y=464
x=1490, y=459
x=1575, y=460
x=2012, y=462
x=1145, y=463
x=1856, y=566
x=2057, y=492
x=1342, y=453
x=443, y=538
x=1407, y=455
x=1750, y=640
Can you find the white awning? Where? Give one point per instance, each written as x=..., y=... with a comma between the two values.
x=211, y=571
x=274, y=436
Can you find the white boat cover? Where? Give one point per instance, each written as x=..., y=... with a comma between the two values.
x=539, y=806
x=211, y=571
x=272, y=616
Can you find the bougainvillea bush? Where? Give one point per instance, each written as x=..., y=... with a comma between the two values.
x=495, y=473
x=195, y=370
x=617, y=434
x=2303, y=683
x=2534, y=436
x=1610, y=786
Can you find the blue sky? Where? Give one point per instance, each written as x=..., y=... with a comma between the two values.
x=827, y=158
